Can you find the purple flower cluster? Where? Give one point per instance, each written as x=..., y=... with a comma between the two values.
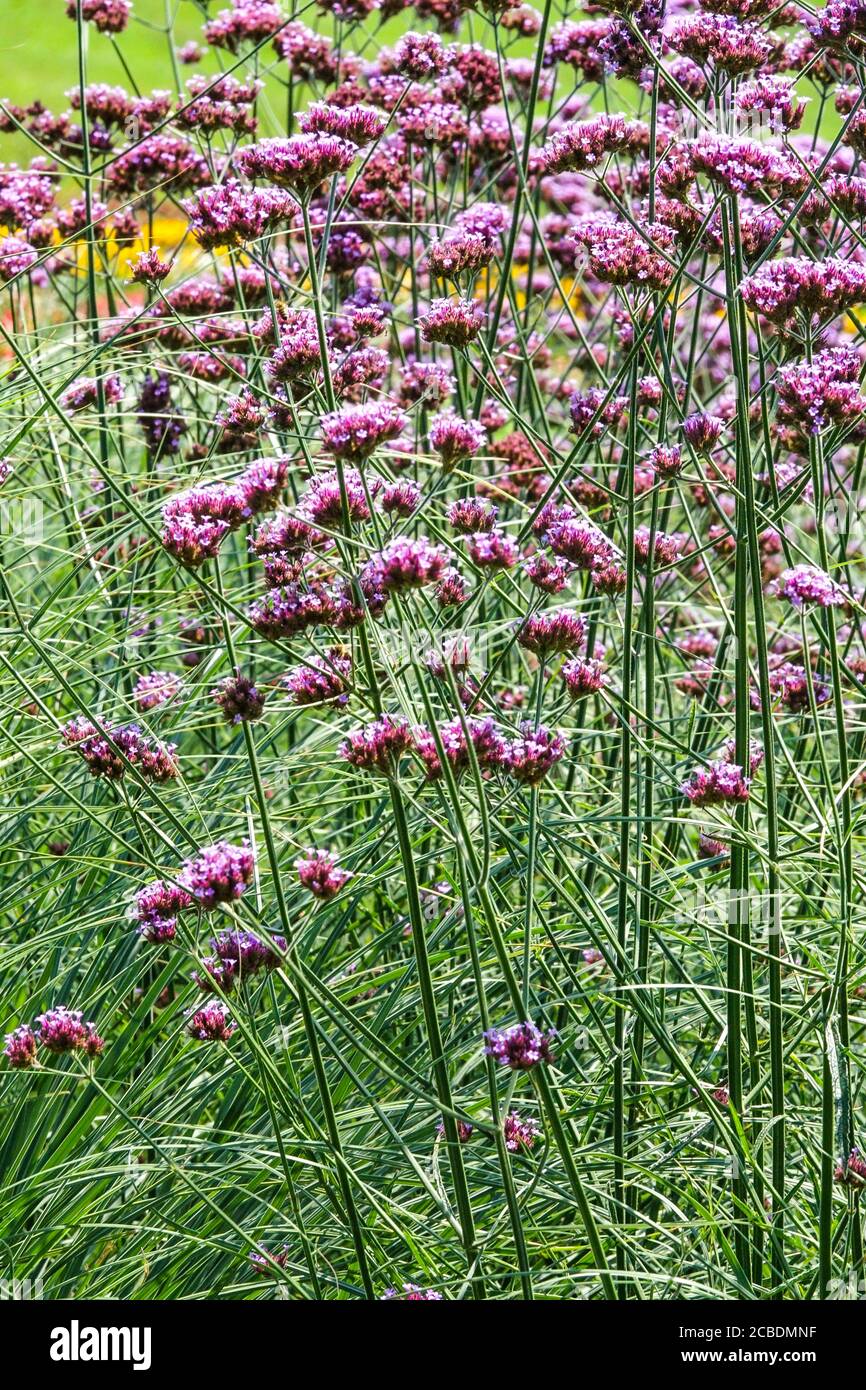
x=218, y=874
x=355, y=432
x=455, y=440
x=155, y=688
x=239, y=699
x=236, y=955
x=547, y=633
x=460, y=741
x=378, y=747
x=156, y=910
x=85, y=393
x=321, y=680
x=798, y=285
x=300, y=163
x=453, y=322
x=320, y=873
x=111, y=753
x=196, y=522
x=520, y=1134
x=823, y=392
x=161, y=426
x=230, y=214
x=520, y=1047
x=806, y=584
x=533, y=753
x=210, y=1023
x=717, y=784
x=108, y=16
x=58, y=1030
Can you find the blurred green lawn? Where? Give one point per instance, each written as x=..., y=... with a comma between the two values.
x=39, y=55
x=39, y=51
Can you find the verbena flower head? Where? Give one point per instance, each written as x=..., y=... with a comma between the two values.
x=20, y=1048
x=63, y=1030
x=492, y=550
x=583, y=676
x=157, y=908
x=402, y=565
x=733, y=45
x=823, y=392
x=717, y=784
x=85, y=393
x=487, y=744
x=667, y=462
x=852, y=1171
x=742, y=166
x=580, y=542
x=711, y=848
x=420, y=56
x=197, y=521
x=17, y=256
x=794, y=687
x=110, y=754
x=155, y=688
x=520, y=1047
x=230, y=214
x=108, y=16
x=211, y=1023
x=300, y=163
x=245, y=953
x=160, y=424
x=264, y=1265
x=247, y=22
x=400, y=499
x=550, y=576
x=457, y=254
x=454, y=322
x=289, y=610
x=261, y=484
x=781, y=289
x=455, y=439
x=360, y=125
x=546, y=633
x=774, y=99
x=218, y=874
x=465, y=1130
x=378, y=747
x=148, y=268
x=355, y=432
x=703, y=431
x=585, y=144
x=756, y=754
x=239, y=699
x=620, y=254
x=451, y=591
x=520, y=1134
x=806, y=584
x=533, y=753
x=321, y=680
x=470, y=514
x=320, y=873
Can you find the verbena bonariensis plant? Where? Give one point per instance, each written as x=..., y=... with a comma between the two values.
x=434, y=651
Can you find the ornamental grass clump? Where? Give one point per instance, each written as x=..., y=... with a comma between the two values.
x=432, y=574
